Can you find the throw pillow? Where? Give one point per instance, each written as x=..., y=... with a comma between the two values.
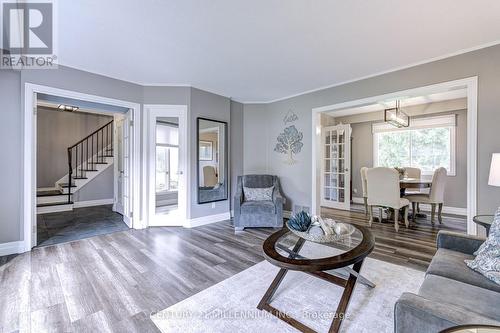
x=487, y=261
x=258, y=194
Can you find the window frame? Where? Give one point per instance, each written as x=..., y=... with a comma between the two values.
x=446, y=121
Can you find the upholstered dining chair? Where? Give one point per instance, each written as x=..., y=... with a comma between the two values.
x=414, y=173
x=364, y=187
x=434, y=197
x=383, y=191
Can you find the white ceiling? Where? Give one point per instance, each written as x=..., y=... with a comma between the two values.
x=263, y=50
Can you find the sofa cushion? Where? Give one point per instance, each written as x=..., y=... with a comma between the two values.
x=444, y=290
x=258, y=207
x=450, y=264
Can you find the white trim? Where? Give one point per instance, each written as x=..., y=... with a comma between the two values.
x=11, y=248
x=46, y=188
x=152, y=111
x=199, y=221
x=54, y=209
x=394, y=69
x=426, y=208
x=29, y=153
x=449, y=120
x=469, y=83
x=92, y=203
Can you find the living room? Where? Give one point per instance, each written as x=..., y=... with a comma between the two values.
x=241, y=207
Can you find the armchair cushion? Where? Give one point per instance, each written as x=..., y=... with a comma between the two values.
x=258, y=207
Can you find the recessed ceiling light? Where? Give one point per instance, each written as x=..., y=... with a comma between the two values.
x=69, y=108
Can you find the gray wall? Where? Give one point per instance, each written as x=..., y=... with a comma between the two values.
x=11, y=170
x=236, y=135
x=456, y=186
x=11, y=128
x=211, y=106
x=101, y=187
x=297, y=179
x=56, y=131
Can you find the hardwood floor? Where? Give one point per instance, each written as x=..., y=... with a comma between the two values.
x=412, y=247
x=113, y=282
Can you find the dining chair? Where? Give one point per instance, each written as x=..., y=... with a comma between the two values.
x=364, y=187
x=434, y=197
x=383, y=191
x=414, y=173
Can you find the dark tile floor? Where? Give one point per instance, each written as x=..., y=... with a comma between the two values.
x=62, y=227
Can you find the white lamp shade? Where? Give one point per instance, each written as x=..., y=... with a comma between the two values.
x=495, y=170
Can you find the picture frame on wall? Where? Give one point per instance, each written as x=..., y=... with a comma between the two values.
x=206, y=151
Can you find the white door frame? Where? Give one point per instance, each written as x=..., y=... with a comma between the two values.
x=152, y=111
x=29, y=154
x=470, y=84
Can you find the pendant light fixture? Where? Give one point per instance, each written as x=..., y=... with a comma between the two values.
x=396, y=117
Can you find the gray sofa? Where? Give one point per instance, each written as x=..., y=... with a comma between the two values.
x=452, y=294
x=258, y=213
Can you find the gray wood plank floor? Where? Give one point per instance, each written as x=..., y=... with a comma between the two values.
x=111, y=283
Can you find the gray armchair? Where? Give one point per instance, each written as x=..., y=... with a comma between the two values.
x=248, y=214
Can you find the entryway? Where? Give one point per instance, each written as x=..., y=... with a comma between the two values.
x=79, y=166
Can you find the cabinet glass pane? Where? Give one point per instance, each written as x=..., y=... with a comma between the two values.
x=335, y=151
x=327, y=194
x=334, y=196
x=333, y=181
x=327, y=138
x=341, y=166
x=327, y=180
x=341, y=197
x=341, y=136
x=327, y=151
x=341, y=181
x=334, y=136
x=327, y=165
x=341, y=151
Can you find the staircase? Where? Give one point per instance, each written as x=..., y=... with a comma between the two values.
x=87, y=159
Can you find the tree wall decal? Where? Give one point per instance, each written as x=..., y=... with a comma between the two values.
x=289, y=143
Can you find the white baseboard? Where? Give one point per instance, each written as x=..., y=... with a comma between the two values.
x=39, y=189
x=199, y=221
x=358, y=200
x=92, y=203
x=54, y=209
x=11, y=248
x=427, y=208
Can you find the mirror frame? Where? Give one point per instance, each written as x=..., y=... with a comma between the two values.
x=226, y=159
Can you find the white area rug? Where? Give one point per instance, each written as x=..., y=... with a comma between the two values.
x=230, y=306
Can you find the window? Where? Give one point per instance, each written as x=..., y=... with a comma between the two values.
x=167, y=157
x=429, y=143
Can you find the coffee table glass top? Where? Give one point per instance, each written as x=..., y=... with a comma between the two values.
x=312, y=250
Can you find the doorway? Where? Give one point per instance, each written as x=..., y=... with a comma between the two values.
x=355, y=108
x=167, y=165
x=85, y=160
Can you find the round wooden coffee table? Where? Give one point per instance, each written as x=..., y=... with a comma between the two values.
x=327, y=261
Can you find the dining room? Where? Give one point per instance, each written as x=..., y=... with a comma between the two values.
x=415, y=149
x=400, y=167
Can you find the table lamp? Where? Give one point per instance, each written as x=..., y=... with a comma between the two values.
x=495, y=170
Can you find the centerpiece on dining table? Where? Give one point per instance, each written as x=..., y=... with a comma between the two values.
x=318, y=229
x=402, y=172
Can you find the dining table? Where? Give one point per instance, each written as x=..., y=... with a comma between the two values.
x=413, y=183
